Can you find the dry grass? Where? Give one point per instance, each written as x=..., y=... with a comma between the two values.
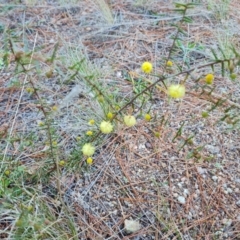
x=135, y=175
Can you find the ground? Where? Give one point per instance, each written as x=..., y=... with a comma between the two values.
x=170, y=187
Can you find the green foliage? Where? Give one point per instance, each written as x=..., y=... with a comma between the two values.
x=114, y=106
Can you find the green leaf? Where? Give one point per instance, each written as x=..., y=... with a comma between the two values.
x=222, y=69
x=180, y=5
x=220, y=49
x=214, y=54
x=187, y=19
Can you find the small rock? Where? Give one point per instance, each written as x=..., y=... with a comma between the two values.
x=115, y=212
x=227, y=222
x=163, y=164
x=229, y=190
x=218, y=233
x=214, y=178
x=181, y=199
x=195, y=196
x=175, y=195
x=212, y=149
x=119, y=74
x=201, y=170
x=185, y=192
x=132, y=226
x=179, y=185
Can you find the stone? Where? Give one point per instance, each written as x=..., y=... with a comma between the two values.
x=132, y=226
x=181, y=199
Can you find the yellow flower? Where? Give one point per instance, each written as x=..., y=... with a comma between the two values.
x=89, y=161
x=30, y=90
x=169, y=63
x=30, y=208
x=7, y=172
x=100, y=98
x=88, y=149
x=110, y=116
x=129, y=120
x=54, y=108
x=40, y=123
x=205, y=114
x=157, y=134
x=233, y=76
x=89, y=133
x=54, y=143
x=78, y=138
x=62, y=163
x=106, y=127
x=91, y=122
x=209, y=78
x=176, y=91
x=147, y=117
x=147, y=67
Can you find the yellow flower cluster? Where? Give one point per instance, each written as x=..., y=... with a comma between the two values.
x=89, y=161
x=30, y=90
x=89, y=133
x=176, y=91
x=110, y=116
x=209, y=78
x=7, y=172
x=88, y=149
x=62, y=163
x=129, y=120
x=91, y=122
x=55, y=108
x=169, y=63
x=106, y=127
x=147, y=117
x=41, y=124
x=147, y=67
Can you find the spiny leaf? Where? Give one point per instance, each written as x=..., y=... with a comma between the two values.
x=220, y=49
x=214, y=54
x=54, y=52
x=187, y=19
x=222, y=69
x=179, y=5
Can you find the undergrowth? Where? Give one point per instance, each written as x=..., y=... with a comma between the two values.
x=26, y=212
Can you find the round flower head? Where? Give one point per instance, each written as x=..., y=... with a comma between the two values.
x=169, y=63
x=89, y=161
x=88, y=149
x=91, y=122
x=147, y=67
x=233, y=76
x=40, y=123
x=89, y=133
x=110, y=116
x=209, y=78
x=30, y=90
x=7, y=172
x=129, y=120
x=176, y=91
x=55, y=108
x=62, y=163
x=106, y=127
x=147, y=117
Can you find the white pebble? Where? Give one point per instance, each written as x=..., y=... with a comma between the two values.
x=181, y=200
x=214, y=178
x=185, y=192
